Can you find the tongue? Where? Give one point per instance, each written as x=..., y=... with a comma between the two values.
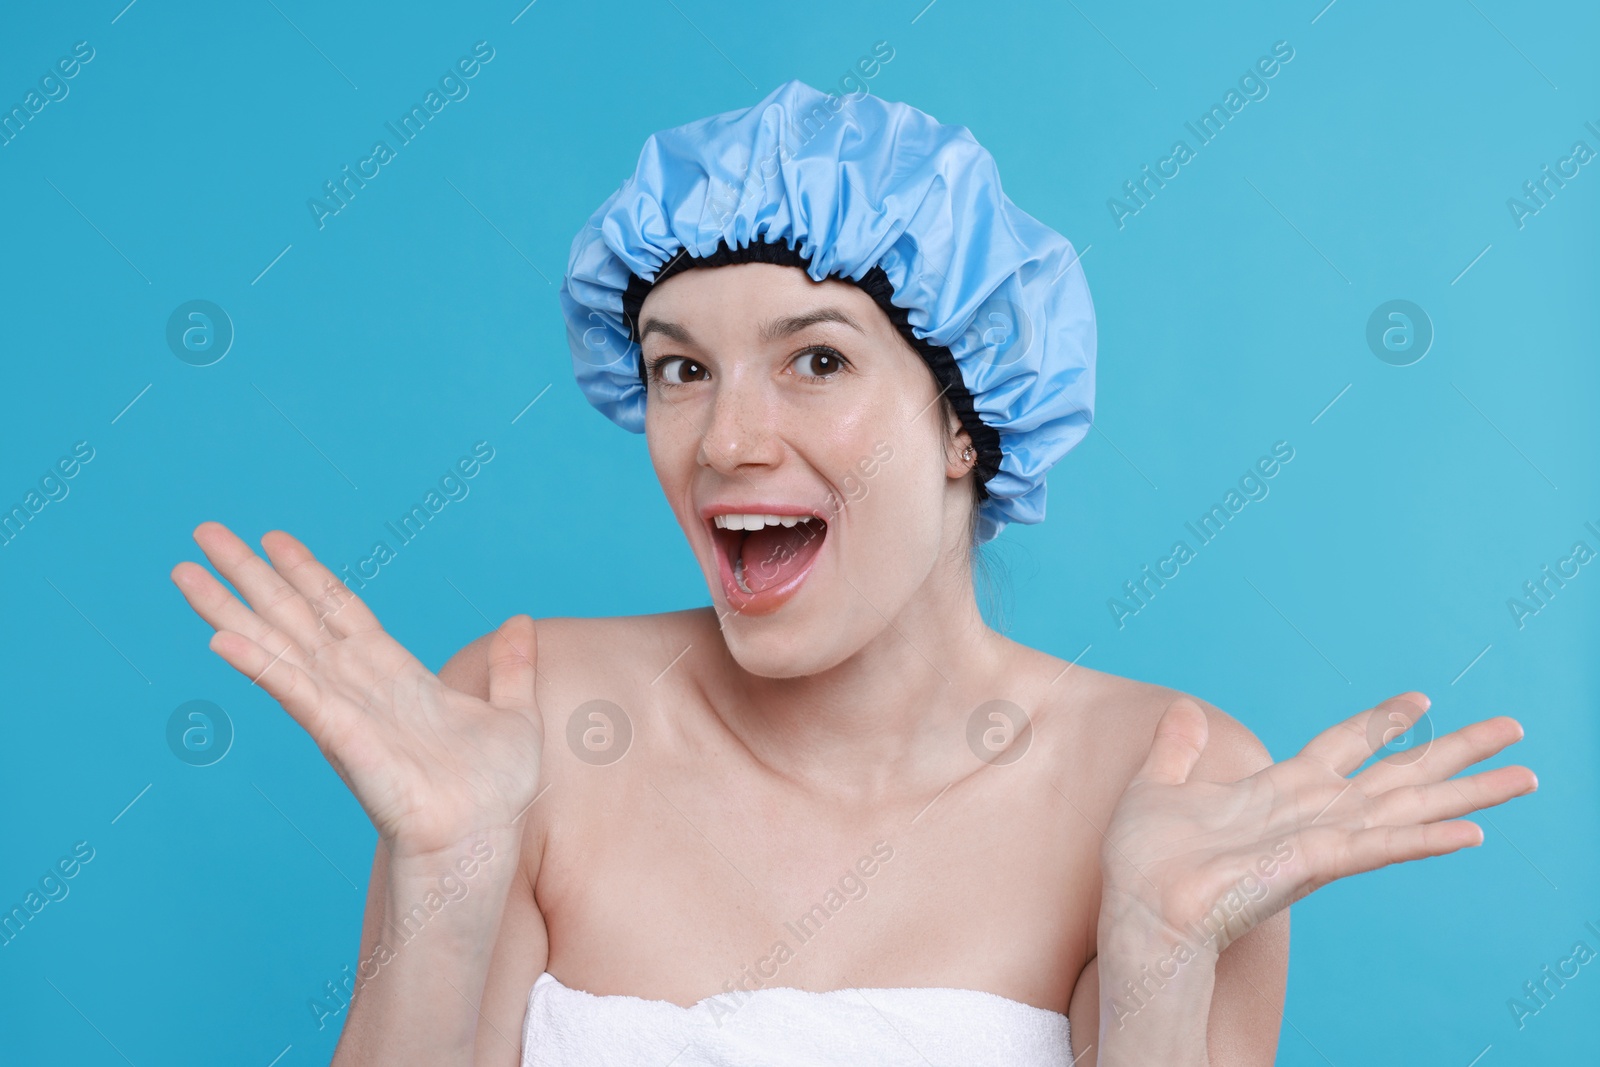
x=774, y=554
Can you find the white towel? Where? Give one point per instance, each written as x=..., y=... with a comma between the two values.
x=779, y=1027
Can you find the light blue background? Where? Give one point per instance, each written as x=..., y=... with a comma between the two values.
x=423, y=318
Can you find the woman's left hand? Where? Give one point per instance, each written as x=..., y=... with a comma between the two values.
x=1183, y=856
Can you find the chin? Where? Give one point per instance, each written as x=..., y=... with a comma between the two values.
x=780, y=621
x=785, y=645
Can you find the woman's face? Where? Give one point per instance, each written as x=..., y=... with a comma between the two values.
x=801, y=443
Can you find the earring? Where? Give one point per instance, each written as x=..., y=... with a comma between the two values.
x=967, y=454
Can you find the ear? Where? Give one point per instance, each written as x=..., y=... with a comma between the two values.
x=960, y=455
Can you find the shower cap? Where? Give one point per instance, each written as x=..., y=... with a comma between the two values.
x=879, y=194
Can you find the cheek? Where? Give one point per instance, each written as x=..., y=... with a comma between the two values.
x=673, y=448
x=909, y=490
x=888, y=476
x=669, y=431
x=840, y=447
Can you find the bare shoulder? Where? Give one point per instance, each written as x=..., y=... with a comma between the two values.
x=1112, y=720
x=570, y=648
x=577, y=660
x=1232, y=751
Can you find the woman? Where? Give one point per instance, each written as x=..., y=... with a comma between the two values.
x=834, y=817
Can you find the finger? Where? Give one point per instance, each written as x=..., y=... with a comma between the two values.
x=513, y=656
x=1380, y=846
x=1347, y=745
x=1453, y=798
x=337, y=609
x=272, y=598
x=286, y=683
x=1443, y=758
x=1180, y=738
x=212, y=601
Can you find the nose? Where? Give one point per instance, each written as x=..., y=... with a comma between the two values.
x=742, y=430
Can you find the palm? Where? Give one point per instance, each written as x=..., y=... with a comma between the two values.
x=429, y=764
x=423, y=759
x=1219, y=858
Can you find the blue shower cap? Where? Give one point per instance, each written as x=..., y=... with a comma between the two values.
x=876, y=193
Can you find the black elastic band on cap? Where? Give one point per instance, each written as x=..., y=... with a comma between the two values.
x=875, y=283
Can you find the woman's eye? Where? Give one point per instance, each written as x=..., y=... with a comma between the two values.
x=818, y=363
x=678, y=370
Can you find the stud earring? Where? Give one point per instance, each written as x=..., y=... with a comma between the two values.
x=967, y=454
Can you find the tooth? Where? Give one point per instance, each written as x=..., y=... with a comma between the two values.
x=735, y=522
x=772, y=520
x=738, y=575
x=720, y=521
x=790, y=520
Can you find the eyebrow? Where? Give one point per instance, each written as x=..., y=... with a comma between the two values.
x=770, y=331
x=795, y=323
x=670, y=329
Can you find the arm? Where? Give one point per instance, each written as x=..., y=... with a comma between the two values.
x=425, y=955
x=1191, y=866
x=517, y=949
x=447, y=778
x=1242, y=993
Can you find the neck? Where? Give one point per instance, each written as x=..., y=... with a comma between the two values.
x=892, y=717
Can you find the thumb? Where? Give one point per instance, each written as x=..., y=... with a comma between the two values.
x=513, y=656
x=1180, y=737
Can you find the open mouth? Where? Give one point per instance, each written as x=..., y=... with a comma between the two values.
x=764, y=557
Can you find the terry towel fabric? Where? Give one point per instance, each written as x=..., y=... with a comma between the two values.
x=779, y=1027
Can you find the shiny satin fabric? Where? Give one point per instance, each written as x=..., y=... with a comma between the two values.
x=854, y=182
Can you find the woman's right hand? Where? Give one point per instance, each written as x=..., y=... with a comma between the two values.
x=430, y=765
